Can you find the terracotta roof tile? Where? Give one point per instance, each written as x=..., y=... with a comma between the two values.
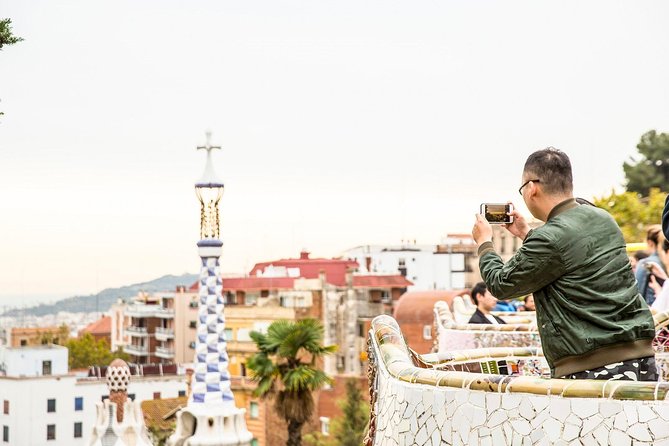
x=100, y=327
x=160, y=413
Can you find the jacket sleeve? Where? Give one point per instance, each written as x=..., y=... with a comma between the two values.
x=536, y=264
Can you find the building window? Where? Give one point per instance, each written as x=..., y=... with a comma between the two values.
x=192, y=324
x=325, y=426
x=191, y=344
x=254, y=442
x=156, y=395
x=79, y=403
x=5, y=407
x=5, y=434
x=193, y=304
x=131, y=396
x=104, y=397
x=78, y=428
x=254, y=410
x=24, y=342
x=182, y=393
x=228, y=334
x=46, y=368
x=242, y=367
x=427, y=331
x=50, y=431
x=385, y=297
x=51, y=405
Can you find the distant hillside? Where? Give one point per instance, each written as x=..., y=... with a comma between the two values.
x=105, y=298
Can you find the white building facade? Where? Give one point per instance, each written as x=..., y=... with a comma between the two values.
x=430, y=267
x=59, y=409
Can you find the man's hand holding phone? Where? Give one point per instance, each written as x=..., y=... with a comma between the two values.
x=519, y=226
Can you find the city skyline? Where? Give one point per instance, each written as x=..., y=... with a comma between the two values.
x=341, y=125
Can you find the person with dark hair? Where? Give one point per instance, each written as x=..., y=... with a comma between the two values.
x=636, y=257
x=528, y=304
x=484, y=302
x=592, y=320
x=653, y=239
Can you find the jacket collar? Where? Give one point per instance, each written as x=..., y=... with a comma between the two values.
x=569, y=203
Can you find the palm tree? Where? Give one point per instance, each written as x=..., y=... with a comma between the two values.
x=285, y=369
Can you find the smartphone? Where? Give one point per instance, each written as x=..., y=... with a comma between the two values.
x=497, y=213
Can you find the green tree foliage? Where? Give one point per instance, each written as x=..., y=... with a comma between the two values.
x=285, y=370
x=86, y=351
x=652, y=169
x=634, y=213
x=6, y=36
x=349, y=430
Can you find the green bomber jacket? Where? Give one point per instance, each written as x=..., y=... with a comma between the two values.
x=589, y=310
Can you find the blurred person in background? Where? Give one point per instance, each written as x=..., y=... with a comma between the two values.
x=485, y=302
x=653, y=239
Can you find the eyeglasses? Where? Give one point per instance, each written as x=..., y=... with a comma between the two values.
x=520, y=190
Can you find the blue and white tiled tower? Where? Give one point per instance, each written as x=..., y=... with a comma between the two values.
x=211, y=417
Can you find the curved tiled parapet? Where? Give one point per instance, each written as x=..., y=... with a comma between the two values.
x=429, y=400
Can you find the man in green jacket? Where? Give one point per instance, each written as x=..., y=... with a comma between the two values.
x=592, y=320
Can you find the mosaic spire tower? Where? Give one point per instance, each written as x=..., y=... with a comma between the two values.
x=211, y=417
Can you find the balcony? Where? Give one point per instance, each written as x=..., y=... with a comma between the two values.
x=139, y=332
x=166, y=353
x=241, y=347
x=163, y=334
x=141, y=310
x=137, y=350
x=164, y=313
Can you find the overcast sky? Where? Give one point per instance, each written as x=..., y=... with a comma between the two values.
x=343, y=123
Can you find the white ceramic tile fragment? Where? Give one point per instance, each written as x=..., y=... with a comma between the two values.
x=523, y=427
x=478, y=417
x=536, y=435
x=559, y=408
x=645, y=414
x=585, y=408
x=493, y=401
x=588, y=440
x=573, y=419
x=620, y=422
x=553, y=429
x=438, y=403
x=403, y=426
x=631, y=413
x=486, y=441
x=526, y=410
x=473, y=439
x=477, y=398
x=446, y=434
x=601, y=434
x=570, y=432
x=610, y=408
x=510, y=401
x=498, y=436
x=659, y=428
x=539, y=402
x=497, y=418
x=617, y=437
x=517, y=439
x=421, y=436
x=639, y=432
x=591, y=423
x=436, y=438
x=431, y=425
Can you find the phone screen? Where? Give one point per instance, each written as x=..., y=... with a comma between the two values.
x=497, y=213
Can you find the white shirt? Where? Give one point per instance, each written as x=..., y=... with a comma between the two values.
x=661, y=302
x=492, y=319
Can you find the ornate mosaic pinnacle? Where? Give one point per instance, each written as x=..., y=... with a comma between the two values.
x=209, y=190
x=118, y=377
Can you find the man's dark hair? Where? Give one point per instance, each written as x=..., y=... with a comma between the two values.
x=553, y=170
x=479, y=288
x=640, y=255
x=665, y=245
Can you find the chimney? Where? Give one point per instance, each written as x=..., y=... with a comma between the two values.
x=304, y=255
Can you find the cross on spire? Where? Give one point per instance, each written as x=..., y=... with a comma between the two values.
x=208, y=147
